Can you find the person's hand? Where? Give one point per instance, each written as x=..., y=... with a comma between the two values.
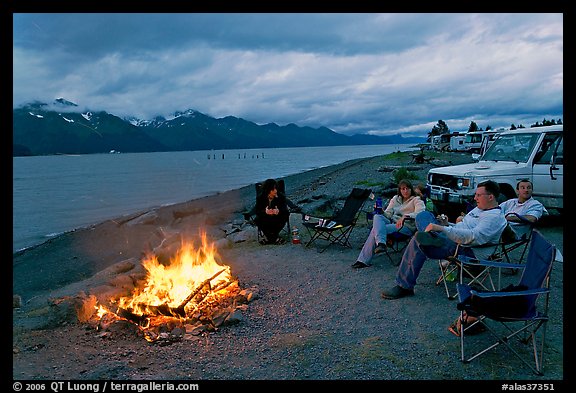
x=433, y=228
x=399, y=223
x=460, y=217
x=442, y=219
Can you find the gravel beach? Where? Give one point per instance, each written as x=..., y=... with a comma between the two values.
x=313, y=317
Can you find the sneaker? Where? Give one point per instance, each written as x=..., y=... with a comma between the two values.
x=396, y=293
x=429, y=239
x=380, y=248
x=360, y=265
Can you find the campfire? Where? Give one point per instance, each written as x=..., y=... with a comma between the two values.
x=192, y=294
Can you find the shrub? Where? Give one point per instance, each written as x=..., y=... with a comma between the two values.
x=403, y=173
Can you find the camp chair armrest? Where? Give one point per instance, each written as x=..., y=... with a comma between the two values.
x=249, y=215
x=307, y=217
x=509, y=293
x=292, y=207
x=469, y=261
x=523, y=220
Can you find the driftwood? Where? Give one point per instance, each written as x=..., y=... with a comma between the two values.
x=420, y=158
x=198, y=289
x=141, y=320
x=165, y=309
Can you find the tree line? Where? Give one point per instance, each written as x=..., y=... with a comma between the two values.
x=442, y=128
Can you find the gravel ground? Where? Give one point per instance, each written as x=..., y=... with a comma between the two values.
x=315, y=318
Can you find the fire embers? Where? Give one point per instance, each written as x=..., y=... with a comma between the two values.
x=193, y=294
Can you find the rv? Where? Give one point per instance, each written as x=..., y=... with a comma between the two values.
x=473, y=142
x=457, y=142
x=444, y=141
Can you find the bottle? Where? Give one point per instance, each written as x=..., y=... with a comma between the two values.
x=451, y=276
x=378, y=206
x=295, y=236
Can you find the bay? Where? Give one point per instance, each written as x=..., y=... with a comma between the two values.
x=57, y=194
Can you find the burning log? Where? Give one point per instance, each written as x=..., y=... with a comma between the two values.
x=141, y=320
x=156, y=308
x=199, y=288
x=166, y=310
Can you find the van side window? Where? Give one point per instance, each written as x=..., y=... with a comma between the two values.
x=560, y=153
x=548, y=147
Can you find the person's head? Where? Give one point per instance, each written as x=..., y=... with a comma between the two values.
x=421, y=190
x=524, y=190
x=270, y=188
x=487, y=194
x=405, y=189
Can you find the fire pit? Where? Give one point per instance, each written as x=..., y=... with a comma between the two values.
x=193, y=294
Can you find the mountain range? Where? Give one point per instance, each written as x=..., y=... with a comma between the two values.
x=61, y=128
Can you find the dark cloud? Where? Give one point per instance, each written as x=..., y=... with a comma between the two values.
x=377, y=73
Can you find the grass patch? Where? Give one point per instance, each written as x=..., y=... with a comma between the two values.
x=403, y=173
x=370, y=183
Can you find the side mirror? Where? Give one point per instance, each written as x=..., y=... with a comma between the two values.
x=476, y=156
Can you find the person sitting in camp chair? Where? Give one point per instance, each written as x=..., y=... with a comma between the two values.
x=524, y=211
x=482, y=225
x=405, y=204
x=272, y=212
x=424, y=193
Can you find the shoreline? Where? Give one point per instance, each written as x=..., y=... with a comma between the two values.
x=37, y=221
x=49, y=237
x=314, y=318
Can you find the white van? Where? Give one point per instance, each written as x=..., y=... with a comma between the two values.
x=534, y=153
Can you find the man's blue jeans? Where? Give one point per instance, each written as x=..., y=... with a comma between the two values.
x=415, y=254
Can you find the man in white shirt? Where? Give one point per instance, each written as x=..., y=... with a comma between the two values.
x=482, y=225
x=522, y=209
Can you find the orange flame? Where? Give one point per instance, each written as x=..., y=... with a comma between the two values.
x=171, y=284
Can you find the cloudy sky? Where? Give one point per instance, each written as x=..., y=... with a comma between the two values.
x=354, y=73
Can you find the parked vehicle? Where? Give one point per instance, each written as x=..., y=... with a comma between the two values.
x=440, y=142
x=457, y=142
x=487, y=140
x=473, y=141
x=534, y=153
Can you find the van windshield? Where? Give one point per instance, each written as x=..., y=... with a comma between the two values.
x=515, y=147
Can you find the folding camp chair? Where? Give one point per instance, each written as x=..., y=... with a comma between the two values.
x=513, y=249
x=337, y=228
x=397, y=241
x=510, y=249
x=519, y=312
x=479, y=276
x=250, y=216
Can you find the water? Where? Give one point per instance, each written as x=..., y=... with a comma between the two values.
x=57, y=194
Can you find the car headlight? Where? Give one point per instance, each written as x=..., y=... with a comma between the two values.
x=462, y=183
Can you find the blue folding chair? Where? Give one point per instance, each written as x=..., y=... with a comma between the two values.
x=518, y=312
